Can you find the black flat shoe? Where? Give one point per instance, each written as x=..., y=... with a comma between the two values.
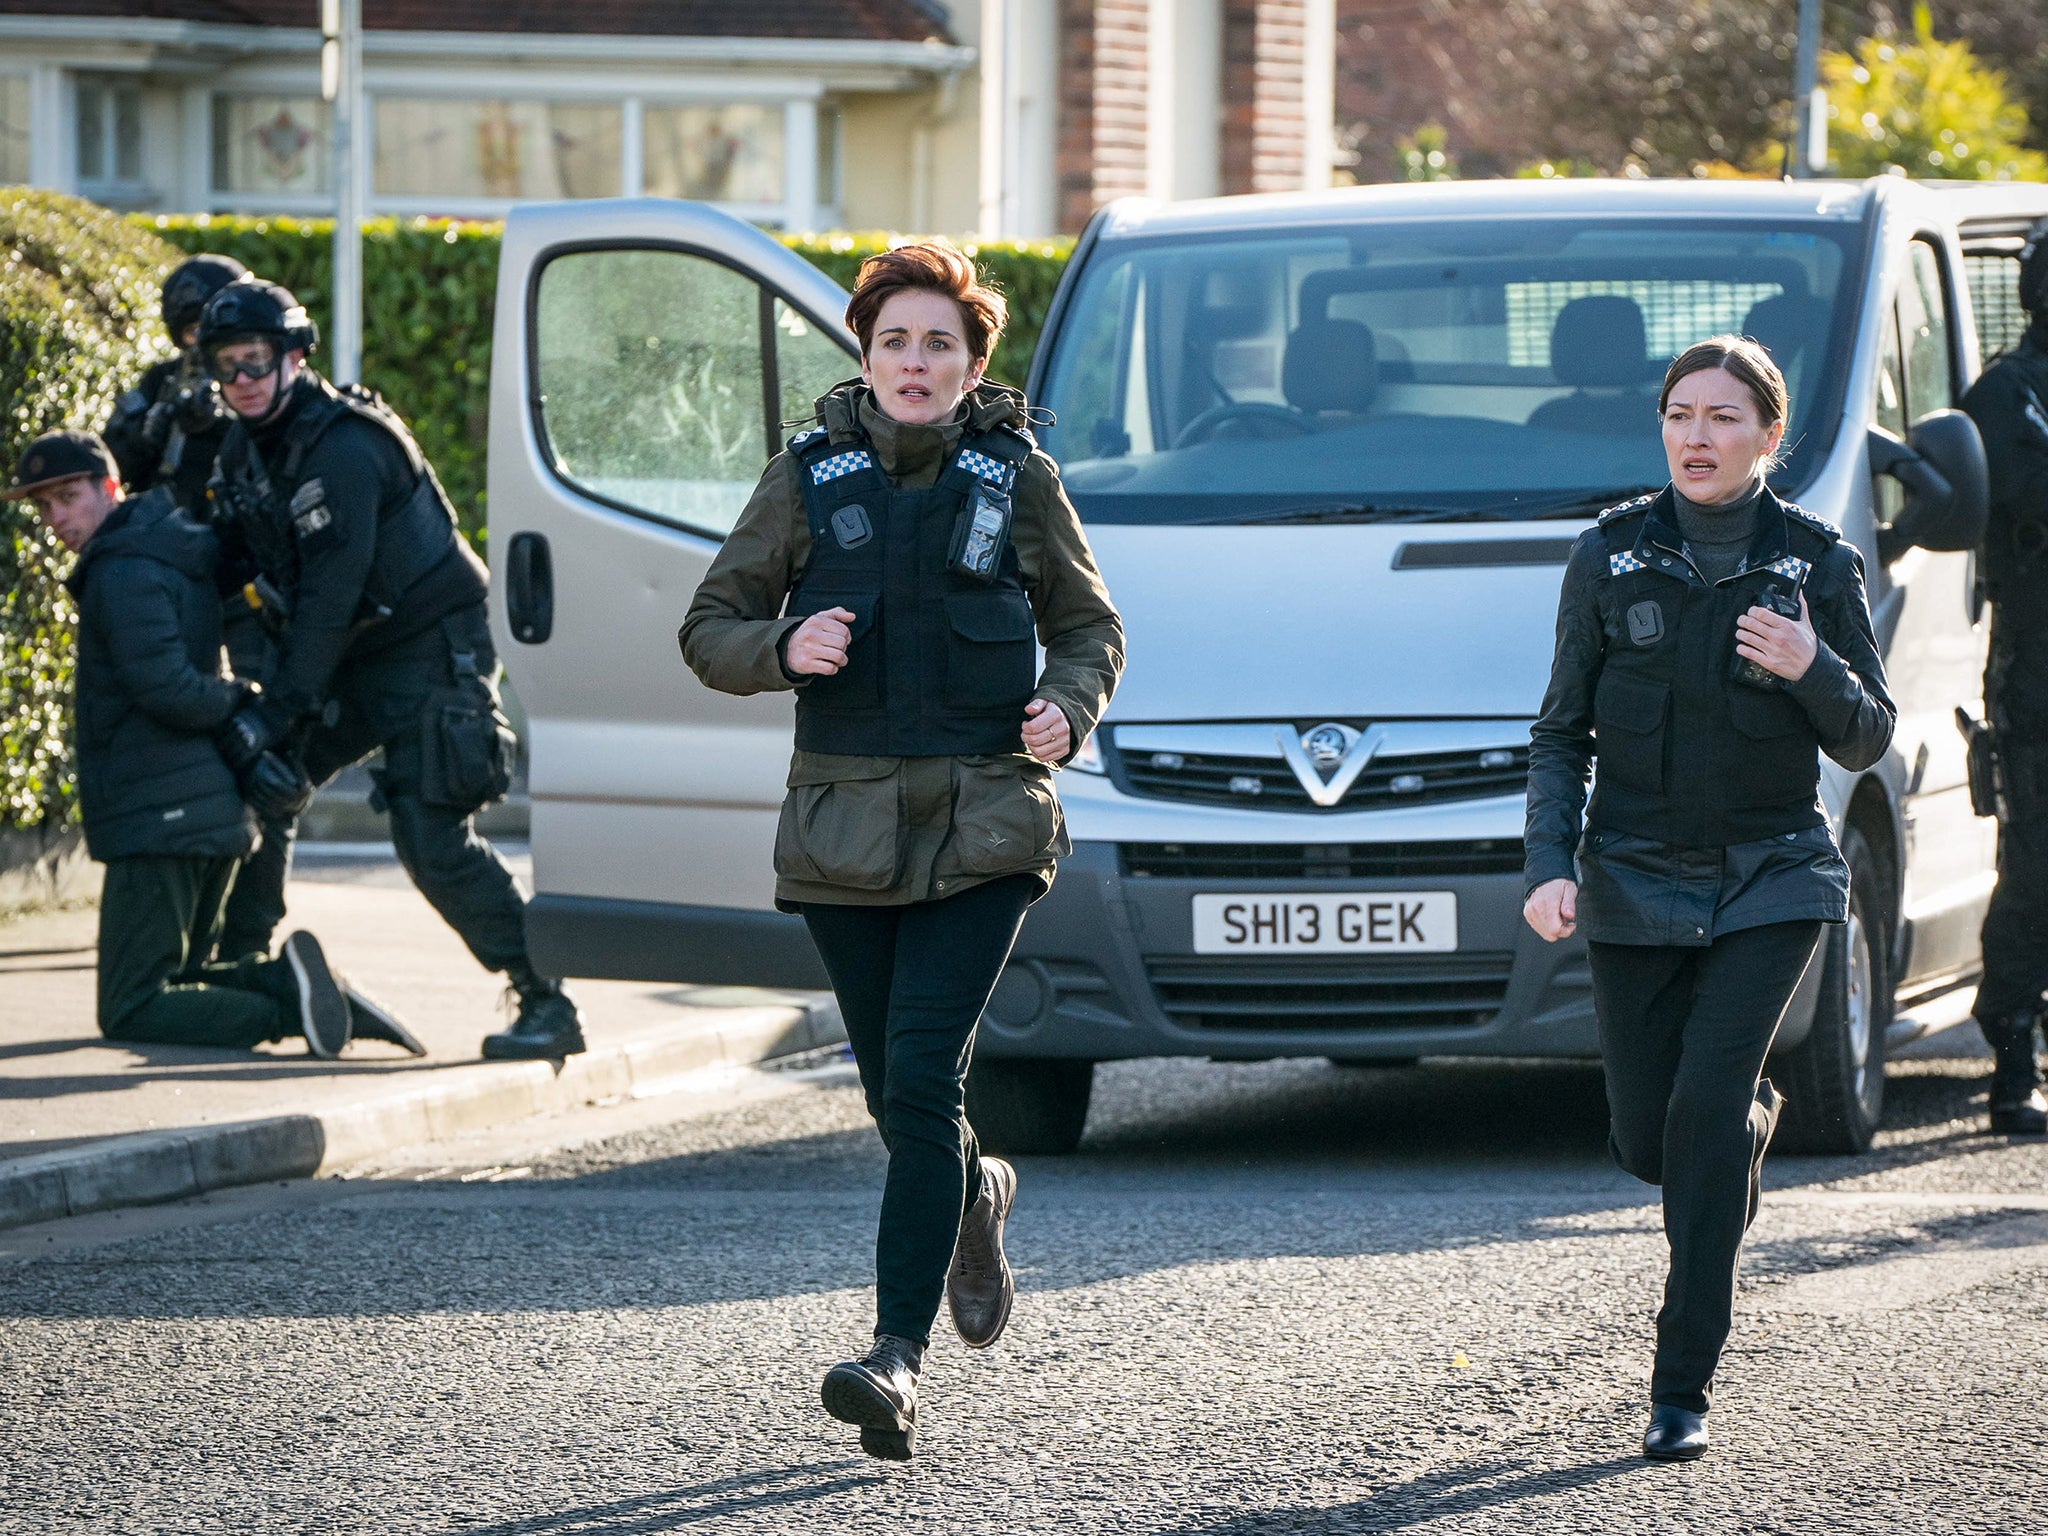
x=1675, y=1434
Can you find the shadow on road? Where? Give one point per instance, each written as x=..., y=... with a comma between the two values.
x=1433, y=1496
x=679, y=1507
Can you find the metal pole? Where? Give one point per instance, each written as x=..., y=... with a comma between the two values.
x=341, y=82
x=1809, y=101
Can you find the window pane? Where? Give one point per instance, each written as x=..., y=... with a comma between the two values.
x=13, y=128
x=1891, y=415
x=1923, y=318
x=808, y=363
x=127, y=133
x=727, y=154
x=1995, y=296
x=92, y=132
x=498, y=149
x=270, y=144
x=649, y=367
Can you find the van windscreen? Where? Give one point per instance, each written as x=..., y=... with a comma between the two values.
x=1498, y=369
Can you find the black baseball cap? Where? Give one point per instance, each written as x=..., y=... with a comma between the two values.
x=60, y=456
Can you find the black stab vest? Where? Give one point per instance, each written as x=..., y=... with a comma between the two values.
x=940, y=665
x=1685, y=754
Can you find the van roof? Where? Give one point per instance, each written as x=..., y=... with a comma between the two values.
x=1595, y=196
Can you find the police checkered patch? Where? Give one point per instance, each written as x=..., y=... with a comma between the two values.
x=1621, y=565
x=995, y=471
x=840, y=464
x=1791, y=566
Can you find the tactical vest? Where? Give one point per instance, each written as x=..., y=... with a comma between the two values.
x=1685, y=754
x=416, y=530
x=2016, y=541
x=940, y=664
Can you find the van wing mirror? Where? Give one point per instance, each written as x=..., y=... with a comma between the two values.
x=1948, y=487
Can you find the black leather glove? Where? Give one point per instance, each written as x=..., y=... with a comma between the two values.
x=256, y=726
x=276, y=787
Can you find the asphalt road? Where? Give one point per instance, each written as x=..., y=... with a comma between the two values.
x=1286, y=1297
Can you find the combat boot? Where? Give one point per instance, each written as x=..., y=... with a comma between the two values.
x=878, y=1393
x=980, y=1287
x=547, y=1028
x=2017, y=1107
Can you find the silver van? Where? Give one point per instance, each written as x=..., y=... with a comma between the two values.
x=1331, y=451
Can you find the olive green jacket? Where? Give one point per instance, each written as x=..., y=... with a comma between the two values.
x=885, y=831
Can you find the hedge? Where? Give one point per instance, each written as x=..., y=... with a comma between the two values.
x=430, y=289
x=78, y=305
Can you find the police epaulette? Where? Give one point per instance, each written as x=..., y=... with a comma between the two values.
x=1812, y=520
x=805, y=438
x=1625, y=508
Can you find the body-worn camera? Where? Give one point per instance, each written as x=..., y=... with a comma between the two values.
x=1754, y=674
x=979, y=536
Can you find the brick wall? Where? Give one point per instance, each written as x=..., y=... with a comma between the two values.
x=1102, y=75
x=1262, y=63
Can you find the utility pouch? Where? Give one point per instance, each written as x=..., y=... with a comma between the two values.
x=1987, y=773
x=980, y=534
x=467, y=749
x=1753, y=674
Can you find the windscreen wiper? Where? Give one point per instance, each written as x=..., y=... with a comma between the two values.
x=1329, y=512
x=1585, y=504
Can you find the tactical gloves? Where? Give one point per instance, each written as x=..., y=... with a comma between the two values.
x=254, y=741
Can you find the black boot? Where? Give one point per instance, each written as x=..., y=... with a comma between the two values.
x=2017, y=1107
x=548, y=1026
x=878, y=1392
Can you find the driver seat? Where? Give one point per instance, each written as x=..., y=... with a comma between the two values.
x=1600, y=346
x=1330, y=366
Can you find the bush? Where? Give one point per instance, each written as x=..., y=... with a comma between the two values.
x=78, y=312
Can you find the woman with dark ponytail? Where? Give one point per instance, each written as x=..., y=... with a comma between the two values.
x=1712, y=642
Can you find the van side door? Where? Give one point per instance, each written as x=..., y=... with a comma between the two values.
x=646, y=352
x=1935, y=657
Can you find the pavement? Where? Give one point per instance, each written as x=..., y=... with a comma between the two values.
x=91, y=1124
x=1273, y=1298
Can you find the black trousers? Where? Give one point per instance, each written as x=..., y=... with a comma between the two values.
x=158, y=919
x=2015, y=935
x=911, y=982
x=1683, y=1036
x=382, y=702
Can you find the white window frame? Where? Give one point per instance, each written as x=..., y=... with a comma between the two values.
x=31, y=79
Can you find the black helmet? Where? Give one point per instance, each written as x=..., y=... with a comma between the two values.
x=2034, y=273
x=191, y=284
x=249, y=306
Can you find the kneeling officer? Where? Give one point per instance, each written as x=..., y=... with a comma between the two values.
x=388, y=644
x=161, y=807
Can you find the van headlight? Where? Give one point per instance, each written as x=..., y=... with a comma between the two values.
x=1089, y=758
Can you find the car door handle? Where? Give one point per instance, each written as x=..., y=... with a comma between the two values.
x=530, y=588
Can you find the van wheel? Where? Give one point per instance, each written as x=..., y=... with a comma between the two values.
x=1029, y=1108
x=1834, y=1082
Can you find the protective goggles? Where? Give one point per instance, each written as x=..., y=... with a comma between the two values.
x=259, y=361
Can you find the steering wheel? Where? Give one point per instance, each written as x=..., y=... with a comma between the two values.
x=1203, y=427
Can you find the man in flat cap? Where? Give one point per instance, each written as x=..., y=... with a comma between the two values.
x=161, y=806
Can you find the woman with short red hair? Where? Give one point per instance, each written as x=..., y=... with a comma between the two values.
x=898, y=565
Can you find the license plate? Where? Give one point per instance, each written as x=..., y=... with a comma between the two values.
x=1409, y=922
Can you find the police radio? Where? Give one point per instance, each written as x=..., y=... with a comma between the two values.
x=1754, y=674
x=979, y=535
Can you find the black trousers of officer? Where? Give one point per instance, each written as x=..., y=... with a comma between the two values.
x=911, y=983
x=382, y=701
x=2015, y=935
x=1683, y=1036
x=159, y=915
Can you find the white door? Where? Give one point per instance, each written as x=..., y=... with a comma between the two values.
x=645, y=352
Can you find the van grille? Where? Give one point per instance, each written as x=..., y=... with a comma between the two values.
x=1422, y=779
x=1339, y=992
x=1320, y=861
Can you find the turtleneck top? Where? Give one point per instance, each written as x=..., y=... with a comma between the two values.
x=1717, y=537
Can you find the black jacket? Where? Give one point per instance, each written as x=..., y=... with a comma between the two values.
x=1708, y=816
x=150, y=691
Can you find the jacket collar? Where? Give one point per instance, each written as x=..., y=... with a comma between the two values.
x=1660, y=546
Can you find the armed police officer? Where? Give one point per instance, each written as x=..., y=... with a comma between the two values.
x=168, y=429
x=2009, y=404
x=387, y=644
